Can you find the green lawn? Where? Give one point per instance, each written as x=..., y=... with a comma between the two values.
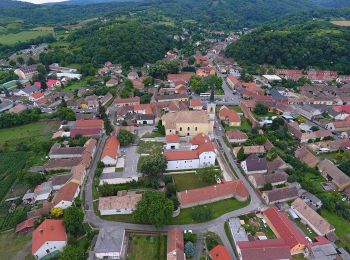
x=329, y=156
x=218, y=208
x=12, y=38
x=73, y=85
x=146, y=247
x=235, y=108
x=188, y=181
x=149, y=147
x=342, y=227
x=122, y=218
x=11, y=243
x=311, y=234
x=153, y=135
x=268, y=115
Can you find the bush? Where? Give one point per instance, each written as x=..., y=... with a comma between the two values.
x=189, y=249
x=201, y=214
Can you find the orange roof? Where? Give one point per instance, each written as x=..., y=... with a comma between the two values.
x=180, y=155
x=94, y=123
x=49, y=230
x=231, y=115
x=219, y=253
x=180, y=77
x=200, y=139
x=66, y=193
x=205, y=194
x=111, y=147
x=146, y=107
x=233, y=79
x=78, y=172
x=196, y=103
x=172, y=138
x=37, y=95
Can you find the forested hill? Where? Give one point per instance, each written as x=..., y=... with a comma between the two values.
x=319, y=44
x=332, y=3
x=131, y=44
x=219, y=14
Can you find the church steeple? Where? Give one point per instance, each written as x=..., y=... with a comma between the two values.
x=212, y=99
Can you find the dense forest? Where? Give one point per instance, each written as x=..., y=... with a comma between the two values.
x=131, y=44
x=332, y=3
x=319, y=44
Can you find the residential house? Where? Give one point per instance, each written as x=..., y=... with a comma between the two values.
x=236, y=136
x=332, y=173
x=58, y=181
x=59, y=152
x=25, y=225
x=53, y=83
x=110, y=151
x=172, y=142
x=201, y=154
x=26, y=72
x=172, y=97
x=277, y=165
x=280, y=195
x=196, y=104
x=175, y=245
x=187, y=123
x=259, y=180
x=109, y=243
x=112, y=82
x=65, y=196
x=306, y=157
x=34, y=97
x=201, y=60
x=321, y=75
x=61, y=164
x=339, y=126
x=248, y=150
x=229, y=116
x=48, y=239
x=254, y=165
x=78, y=174
x=311, y=200
x=120, y=102
x=219, y=253
x=284, y=229
x=145, y=119
x=26, y=92
x=124, y=203
x=269, y=249
x=213, y=193
x=37, y=213
x=178, y=79
x=294, y=75
x=309, y=216
x=205, y=71
x=233, y=82
x=43, y=191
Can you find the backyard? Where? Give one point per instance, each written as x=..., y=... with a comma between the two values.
x=253, y=224
x=145, y=147
x=142, y=247
x=189, y=181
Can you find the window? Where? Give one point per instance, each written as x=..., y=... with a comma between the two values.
x=188, y=128
x=195, y=129
x=180, y=128
x=188, y=134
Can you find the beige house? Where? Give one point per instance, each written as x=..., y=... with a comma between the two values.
x=187, y=123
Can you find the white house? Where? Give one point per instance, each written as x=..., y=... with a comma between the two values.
x=43, y=191
x=109, y=244
x=110, y=151
x=66, y=195
x=124, y=203
x=172, y=142
x=201, y=154
x=253, y=164
x=48, y=238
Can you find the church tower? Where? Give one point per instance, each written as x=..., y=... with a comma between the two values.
x=211, y=105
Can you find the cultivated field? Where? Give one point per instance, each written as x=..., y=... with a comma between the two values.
x=12, y=38
x=341, y=23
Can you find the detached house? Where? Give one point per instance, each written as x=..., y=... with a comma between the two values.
x=229, y=116
x=280, y=195
x=110, y=151
x=236, y=136
x=26, y=72
x=332, y=173
x=48, y=239
x=66, y=195
x=254, y=165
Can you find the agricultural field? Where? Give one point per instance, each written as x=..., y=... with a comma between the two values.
x=12, y=38
x=146, y=247
x=341, y=23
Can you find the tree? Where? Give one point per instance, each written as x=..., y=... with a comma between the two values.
x=201, y=214
x=30, y=61
x=300, y=119
x=125, y=137
x=277, y=123
x=260, y=139
x=73, y=220
x=56, y=213
x=207, y=174
x=160, y=127
x=153, y=165
x=314, y=128
x=189, y=249
x=188, y=236
x=148, y=81
x=240, y=154
x=33, y=179
x=191, y=60
x=260, y=109
x=20, y=60
x=154, y=208
x=73, y=252
x=267, y=186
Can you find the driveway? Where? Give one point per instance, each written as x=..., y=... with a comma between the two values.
x=131, y=160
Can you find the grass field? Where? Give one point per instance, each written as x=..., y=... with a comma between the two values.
x=341, y=23
x=218, y=208
x=188, y=181
x=11, y=243
x=342, y=227
x=149, y=147
x=146, y=247
x=12, y=38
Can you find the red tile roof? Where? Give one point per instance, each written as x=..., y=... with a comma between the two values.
x=219, y=253
x=94, y=123
x=111, y=147
x=202, y=195
x=37, y=95
x=342, y=109
x=85, y=132
x=229, y=114
x=28, y=223
x=172, y=138
x=175, y=244
x=49, y=230
x=180, y=77
x=285, y=228
x=196, y=103
x=200, y=139
x=270, y=249
x=233, y=79
x=181, y=155
x=66, y=193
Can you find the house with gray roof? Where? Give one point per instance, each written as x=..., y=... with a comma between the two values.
x=253, y=164
x=109, y=244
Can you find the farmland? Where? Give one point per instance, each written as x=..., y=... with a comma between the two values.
x=341, y=23
x=12, y=38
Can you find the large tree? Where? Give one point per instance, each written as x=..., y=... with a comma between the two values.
x=208, y=174
x=153, y=165
x=73, y=220
x=154, y=208
x=125, y=137
x=73, y=252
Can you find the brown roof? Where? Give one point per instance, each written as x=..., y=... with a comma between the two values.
x=282, y=194
x=127, y=201
x=56, y=149
x=172, y=138
x=253, y=149
x=254, y=163
x=66, y=193
x=53, y=164
x=170, y=119
x=205, y=194
x=262, y=179
x=276, y=164
x=60, y=179
x=236, y=134
x=307, y=157
x=312, y=216
x=94, y=123
x=175, y=245
x=229, y=114
x=339, y=178
x=111, y=147
x=120, y=100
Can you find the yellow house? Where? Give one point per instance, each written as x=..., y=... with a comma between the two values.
x=187, y=123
